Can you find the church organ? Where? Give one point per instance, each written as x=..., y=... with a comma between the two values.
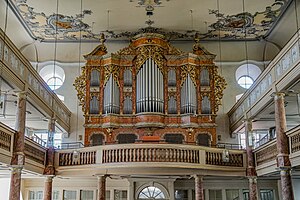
x=150, y=91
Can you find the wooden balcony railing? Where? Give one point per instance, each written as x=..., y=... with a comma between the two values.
x=282, y=71
x=127, y=154
x=216, y=158
x=6, y=137
x=35, y=151
x=294, y=138
x=35, y=154
x=77, y=158
x=150, y=155
x=17, y=69
x=266, y=153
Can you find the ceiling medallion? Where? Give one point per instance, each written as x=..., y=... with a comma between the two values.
x=149, y=5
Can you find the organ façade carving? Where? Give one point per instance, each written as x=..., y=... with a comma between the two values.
x=150, y=89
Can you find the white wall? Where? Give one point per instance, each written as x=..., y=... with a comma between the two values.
x=296, y=187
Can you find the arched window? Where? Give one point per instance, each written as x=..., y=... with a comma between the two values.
x=246, y=74
x=245, y=81
x=53, y=75
x=151, y=193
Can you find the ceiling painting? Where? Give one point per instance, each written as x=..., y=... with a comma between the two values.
x=122, y=19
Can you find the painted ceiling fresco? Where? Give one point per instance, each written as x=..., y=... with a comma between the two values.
x=83, y=21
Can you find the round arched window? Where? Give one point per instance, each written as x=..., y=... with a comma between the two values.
x=151, y=192
x=246, y=74
x=54, y=76
x=245, y=81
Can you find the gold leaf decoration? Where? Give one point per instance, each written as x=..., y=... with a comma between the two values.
x=114, y=70
x=126, y=51
x=80, y=86
x=188, y=69
x=220, y=85
x=173, y=50
x=150, y=51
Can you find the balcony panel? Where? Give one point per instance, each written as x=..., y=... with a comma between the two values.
x=146, y=158
x=280, y=73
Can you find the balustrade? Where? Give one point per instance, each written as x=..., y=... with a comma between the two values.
x=266, y=154
x=16, y=65
x=5, y=139
x=150, y=155
x=278, y=72
x=35, y=152
x=295, y=142
x=216, y=158
x=77, y=158
x=146, y=153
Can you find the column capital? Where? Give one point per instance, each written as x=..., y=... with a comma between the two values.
x=278, y=95
x=49, y=178
x=16, y=168
x=252, y=179
x=197, y=176
x=22, y=94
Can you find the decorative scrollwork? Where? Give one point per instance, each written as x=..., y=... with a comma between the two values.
x=126, y=51
x=80, y=86
x=151, y=51
x=220, y=85
x=188, y=69
x=114, y=70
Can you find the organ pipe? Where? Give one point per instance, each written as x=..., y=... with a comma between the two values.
x=95, y=78
x=149, y=88
x=127, y=106
x=172, y=106
x=205, y=105
x=188, y=97
x=172, y=78
x=94, y=105
x=204, y=77
x=127, y=78
x=111, y=97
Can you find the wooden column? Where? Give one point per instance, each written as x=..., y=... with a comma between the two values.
x=18, y=157
x=199, y=192
x=101, y=187
x=251, y=172
x=283, y=161
x=48, y=188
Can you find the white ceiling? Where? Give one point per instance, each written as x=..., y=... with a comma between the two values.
x=180, y=19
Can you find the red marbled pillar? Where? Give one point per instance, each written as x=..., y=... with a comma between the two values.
x=283, y=161
x=101, y=187
x=48, y=188
x=251, y=172
x=253, y=188
x=18, y=158
x=15, y=183
x=199, y=192
x=51, y=132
